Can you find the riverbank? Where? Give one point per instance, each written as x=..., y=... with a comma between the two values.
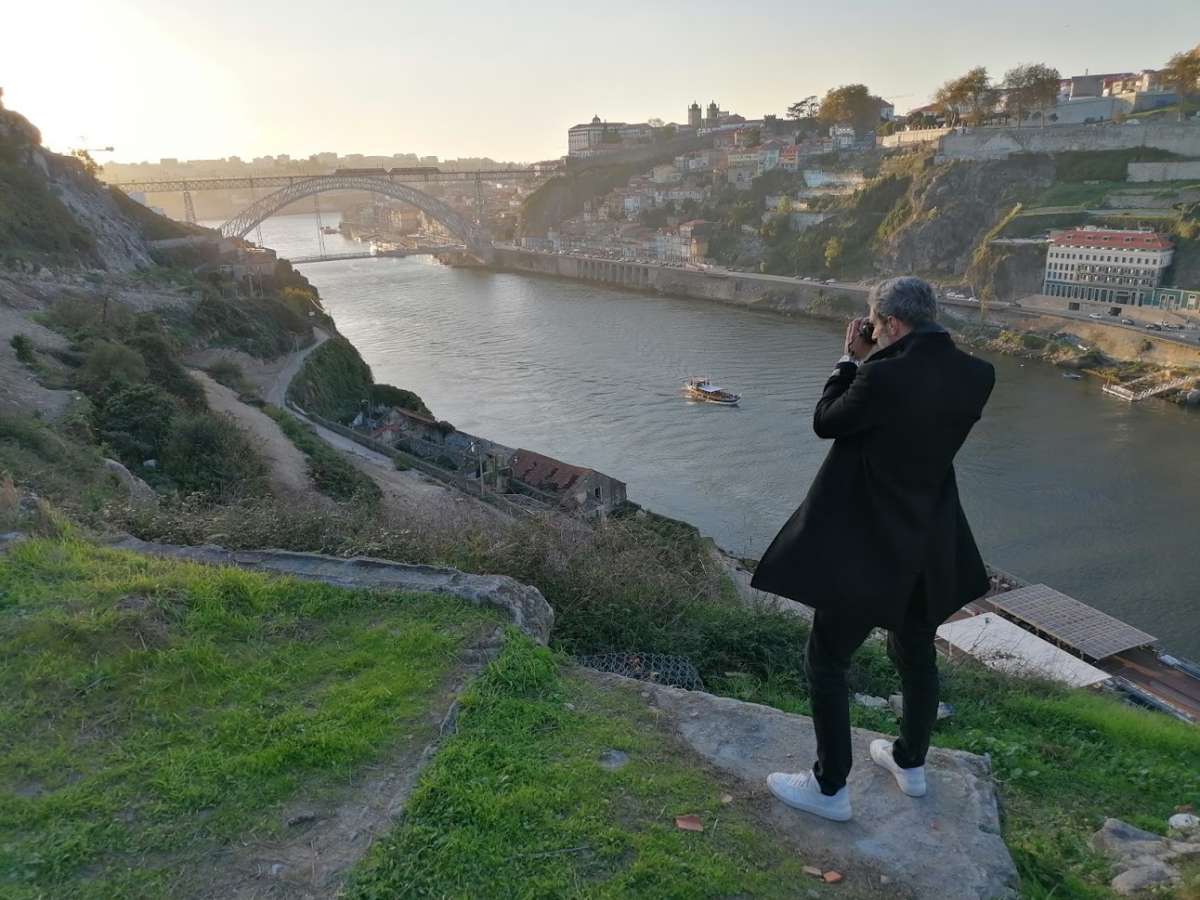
x=1110, y=352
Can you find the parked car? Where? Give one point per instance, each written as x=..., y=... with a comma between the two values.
x=1095, y=316
x=828, y=281
x=1127, y=321
x=1153, y=327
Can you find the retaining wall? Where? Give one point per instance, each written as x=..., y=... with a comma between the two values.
x=1000, y=143
x=776, y=293
x=1163, y=171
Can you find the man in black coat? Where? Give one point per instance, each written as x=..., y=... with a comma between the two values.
x=881, y=539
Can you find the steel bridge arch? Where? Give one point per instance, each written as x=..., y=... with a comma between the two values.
x=478, y=242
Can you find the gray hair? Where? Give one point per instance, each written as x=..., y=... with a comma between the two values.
x=909, y=299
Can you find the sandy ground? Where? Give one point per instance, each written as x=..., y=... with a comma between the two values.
x=288, y=466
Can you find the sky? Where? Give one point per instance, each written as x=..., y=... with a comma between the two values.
x=214, y=78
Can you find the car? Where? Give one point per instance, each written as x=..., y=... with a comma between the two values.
x=828, y=281
x=1127, y=321
x=1095, y=316
x=1153, y=327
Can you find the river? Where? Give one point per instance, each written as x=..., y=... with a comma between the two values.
x=1062, y=484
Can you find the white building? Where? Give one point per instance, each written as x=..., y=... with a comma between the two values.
x=1106, y=265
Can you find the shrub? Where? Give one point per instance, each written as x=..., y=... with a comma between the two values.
x=135, y=422
x=207, y=454
x=23, y=347
x=1033, y=341
x=164, y=369
x=385, y=395
x=334, y=381
x=110, y=367
x=228, y=373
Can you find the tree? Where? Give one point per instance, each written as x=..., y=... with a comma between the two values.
x=1030, y=86
x=90, y=166
x=851, y=104
x=1182, y=72
x=804, y=109
x=833, y=253
x=972, y=92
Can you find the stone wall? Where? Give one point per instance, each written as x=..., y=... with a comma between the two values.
x=912, y=138
x=737, y=288
x=1163, y=171
x=1000, y=143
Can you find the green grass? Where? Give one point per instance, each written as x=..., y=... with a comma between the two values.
x=1063, y=760
x=155, y=712
x=330, y=471
x=516, y=805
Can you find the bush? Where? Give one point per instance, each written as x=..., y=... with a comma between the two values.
x=384, y=395
x=110, y=367
x=207, y=454
x=23, y=347
x=334, y=381
x=135, y=422
x=162, y=359
x=1033, y=341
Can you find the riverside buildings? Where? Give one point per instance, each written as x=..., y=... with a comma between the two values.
x=1118, y=266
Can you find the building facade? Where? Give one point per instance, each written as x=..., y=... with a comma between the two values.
x=1121, y=266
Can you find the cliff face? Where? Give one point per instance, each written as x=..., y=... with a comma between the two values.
x=52, y=210
x=950, y=208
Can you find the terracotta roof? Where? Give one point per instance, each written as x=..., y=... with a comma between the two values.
x=1111, y=240
x=544, y=471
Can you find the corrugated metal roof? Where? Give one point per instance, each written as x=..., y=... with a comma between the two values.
x=1066, y=619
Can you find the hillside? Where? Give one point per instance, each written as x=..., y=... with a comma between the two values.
x=325, y=707
x=937, y=219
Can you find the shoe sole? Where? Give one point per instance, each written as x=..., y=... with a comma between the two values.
x=896, y=778
x=837, y=817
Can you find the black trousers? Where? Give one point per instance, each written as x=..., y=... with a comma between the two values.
x=831, y=644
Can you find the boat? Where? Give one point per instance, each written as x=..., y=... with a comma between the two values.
x=701, y=388
x=329, y=229
x=1073, y=376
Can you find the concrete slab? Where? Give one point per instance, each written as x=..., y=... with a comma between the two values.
x=945, y=845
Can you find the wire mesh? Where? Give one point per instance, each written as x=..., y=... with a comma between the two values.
x=661, y=668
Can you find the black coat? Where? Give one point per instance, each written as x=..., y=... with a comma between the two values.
x=883, y=510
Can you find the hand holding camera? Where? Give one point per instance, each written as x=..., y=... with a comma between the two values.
x=860, y=338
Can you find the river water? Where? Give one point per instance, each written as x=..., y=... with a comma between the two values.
x=1062, y=484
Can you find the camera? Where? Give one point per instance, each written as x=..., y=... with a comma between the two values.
x=866, y=332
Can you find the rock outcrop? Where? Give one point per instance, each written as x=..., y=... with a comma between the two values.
x=523, y=604
x=1145, y=859
x=945, y=845
x=951, y=208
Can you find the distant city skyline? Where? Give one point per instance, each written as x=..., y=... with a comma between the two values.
x=230, y=79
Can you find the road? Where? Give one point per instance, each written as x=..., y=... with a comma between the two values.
x=1189, y=338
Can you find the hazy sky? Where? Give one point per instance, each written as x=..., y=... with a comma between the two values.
x=213, y=78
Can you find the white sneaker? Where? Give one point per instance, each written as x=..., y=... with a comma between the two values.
x=802, y=791
x=911, y=781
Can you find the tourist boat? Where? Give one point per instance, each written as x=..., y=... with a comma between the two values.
x=1073, y=376
x=701, y=388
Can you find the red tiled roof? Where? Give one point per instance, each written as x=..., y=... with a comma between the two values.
x=538, y=470
x=1111, y=240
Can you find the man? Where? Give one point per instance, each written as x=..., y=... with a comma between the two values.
x=881, y=539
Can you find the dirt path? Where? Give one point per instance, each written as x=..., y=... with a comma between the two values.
x=288, y=466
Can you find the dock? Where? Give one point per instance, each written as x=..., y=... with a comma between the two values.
x=1068, y=641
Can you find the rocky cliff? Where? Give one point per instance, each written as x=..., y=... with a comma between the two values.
x=950, y=208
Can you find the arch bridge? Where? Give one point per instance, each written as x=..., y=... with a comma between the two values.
x=473, y=235
x=291, y=188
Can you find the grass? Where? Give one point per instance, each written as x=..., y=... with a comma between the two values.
x=329, y=470
x=157, y=711
x=517, y=805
